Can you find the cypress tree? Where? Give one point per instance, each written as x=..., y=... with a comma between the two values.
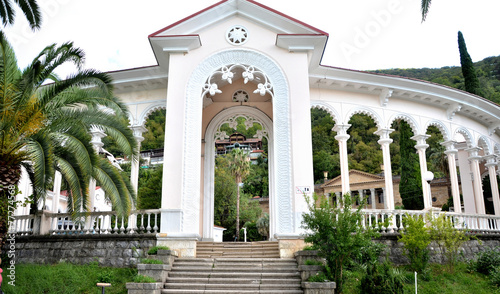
x=410, y=186
x=471, y=81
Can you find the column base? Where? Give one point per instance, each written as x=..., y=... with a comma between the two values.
x=289, y=244
x=183, y=243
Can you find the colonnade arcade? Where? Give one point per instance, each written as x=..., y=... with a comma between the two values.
x=472, y=156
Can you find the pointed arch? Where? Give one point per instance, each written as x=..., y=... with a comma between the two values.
x=410, y=120
x=328, y=108
x=150, y=109
x=484, y=143
x=466, y=134
x=441, y=127
x=366, y=111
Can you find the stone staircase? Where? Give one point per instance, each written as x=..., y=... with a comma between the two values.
x=264, y=249
x=233, y=275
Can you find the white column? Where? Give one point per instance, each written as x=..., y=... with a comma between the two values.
x=464, y=167
x=426, y=187
x=361, y=195
x=57, y=191
x=474, y=159
x=337, y=198
x=342, y=138
x=384, y=198
x=134, y=172
x=451, y=153
x=491, y=163
x=385, y=142
x=372, y=197
x=96, y=141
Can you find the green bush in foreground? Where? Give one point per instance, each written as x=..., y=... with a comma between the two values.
x=143, y=279
x=66, y=278
x=154, y=250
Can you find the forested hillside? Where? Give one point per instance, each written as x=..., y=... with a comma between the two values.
x=487, y=70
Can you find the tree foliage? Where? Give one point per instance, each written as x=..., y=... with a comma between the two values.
x=337, y=233
x=410, y=186
x=154, y=138
x=225, y=196
x=30, y=9
x=470, y=78
x=45, y=127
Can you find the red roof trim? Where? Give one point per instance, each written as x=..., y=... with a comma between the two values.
x=289, y=17
x=251, y=1
x=186, y=18
x=170, y=36
x=318, y=35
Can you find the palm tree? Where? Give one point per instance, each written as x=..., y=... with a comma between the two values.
x=30, y=9
x=45, y=127
x=425, y=8
x=239, y=166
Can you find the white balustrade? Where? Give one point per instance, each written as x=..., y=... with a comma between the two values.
x=105, y=222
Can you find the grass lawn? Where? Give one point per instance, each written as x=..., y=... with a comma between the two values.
x=65, y=278
x=461, y=281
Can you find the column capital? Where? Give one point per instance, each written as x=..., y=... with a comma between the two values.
x=420, y=139
x=138, y=130
x=491, y=160
x=341, y=130
x=384, y=135
x=450, y=146
x=473, y=153
x=97, y=135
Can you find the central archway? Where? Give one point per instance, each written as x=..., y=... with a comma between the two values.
x=211, y=135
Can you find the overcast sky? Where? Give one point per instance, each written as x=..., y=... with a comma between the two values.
x=364, y=34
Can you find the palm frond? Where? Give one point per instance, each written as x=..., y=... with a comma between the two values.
x=7, y=13
x=31, y=10
x=78, y=192
x=425, y=8
x=115, y=187
x=40, y=152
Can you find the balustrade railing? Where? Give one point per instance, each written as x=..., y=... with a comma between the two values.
x=390, y=221
x=105, y=222
x=148, y=221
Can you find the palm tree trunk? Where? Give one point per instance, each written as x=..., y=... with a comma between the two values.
x=238, y=213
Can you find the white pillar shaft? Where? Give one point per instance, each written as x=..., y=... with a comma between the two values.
x=425, y=186
x=384, y=198
x=389, y=189
x=134, y=172
x=494, y=188
x=455, y=191
x=478, y=186
x=57, y=191
x=344, y=166
x=373, y=200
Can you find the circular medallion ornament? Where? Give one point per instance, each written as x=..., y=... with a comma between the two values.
x=240, y=96
x=237, y=35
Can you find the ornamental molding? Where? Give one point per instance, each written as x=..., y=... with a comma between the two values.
x=195, y=89
x=237, y=35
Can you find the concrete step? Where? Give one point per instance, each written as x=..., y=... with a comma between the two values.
x=234, y=275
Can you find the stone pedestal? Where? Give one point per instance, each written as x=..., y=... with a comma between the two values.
x=144, y=288
x=319, y=288
x=159, y=272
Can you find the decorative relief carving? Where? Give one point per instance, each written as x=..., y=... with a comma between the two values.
x=281, y=133
x=233, y=124
x=237, y=35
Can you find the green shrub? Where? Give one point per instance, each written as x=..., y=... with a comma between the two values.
x=368, y=254
x=313, y=262
x=495, y=276
x=318, y=278
x=143, y=279
x=382, y=279
x=308, y=248
x=487, y=261
x=449, y=239
x=154, y=250
x=415, y=238
x=106, y=276
x=151, y=261
x=337, y=232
